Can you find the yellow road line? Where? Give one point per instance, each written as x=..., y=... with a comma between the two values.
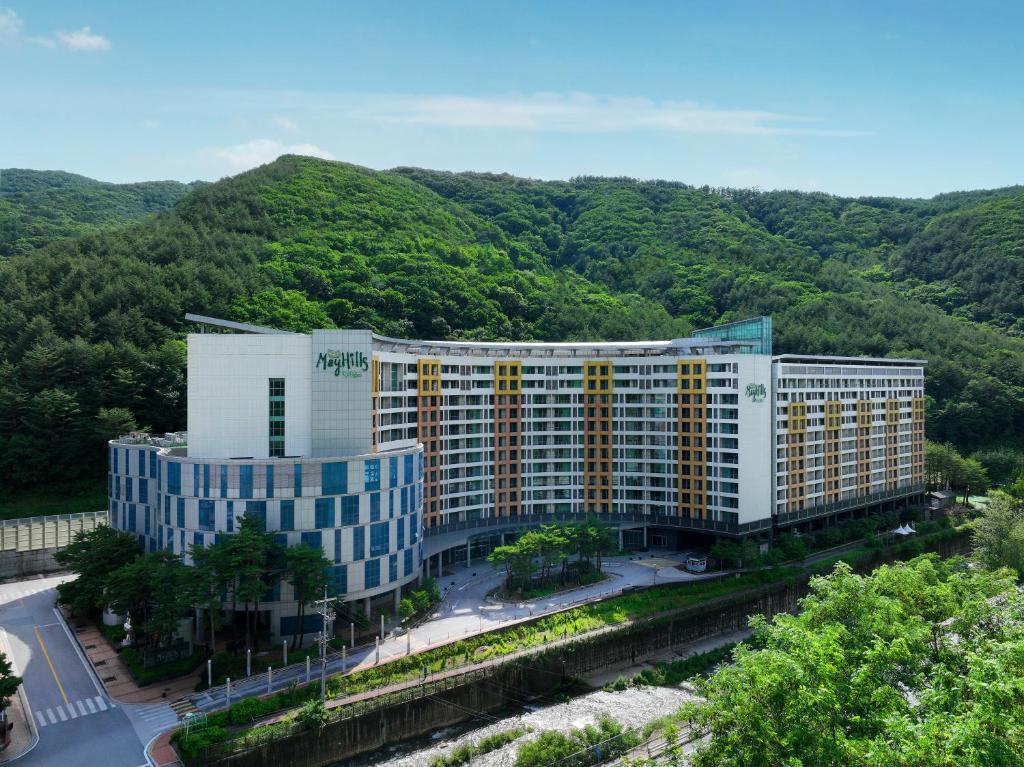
x=50, y=664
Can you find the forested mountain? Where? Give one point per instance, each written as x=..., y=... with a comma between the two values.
x=37, y=207
x=96, y=321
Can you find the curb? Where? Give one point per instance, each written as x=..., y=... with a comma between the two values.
x=26, y=709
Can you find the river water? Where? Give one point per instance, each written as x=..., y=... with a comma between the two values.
x=632, y=708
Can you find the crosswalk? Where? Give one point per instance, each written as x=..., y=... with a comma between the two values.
x=20, y=591
x=157, y=717
x=73, y=710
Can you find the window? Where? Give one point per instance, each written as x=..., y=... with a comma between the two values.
x=350, y=510
x=393, y=568
x=276, y=418
x=375, y=507
x=400, y=529
x=206, y=515
x=173, y=478
x=257, y=510
x=372, y=573
x=408, y=562
x=206, y=480
x=371, y=474
x=337, y=545
x=380, y=539
x=270, y=480
x=180, y=509
x=245, y=481
x=287, y=515
x=408, y=469
x=392, y=472
x=298, y=480
x=337, y=579
x=313, y=539
x=334, y=478
x=224, y=480
x=358, y=543
x=413, y=529
x=324, y=512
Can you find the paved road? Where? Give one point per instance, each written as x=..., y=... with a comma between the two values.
x=77, y=723
x=464, y=611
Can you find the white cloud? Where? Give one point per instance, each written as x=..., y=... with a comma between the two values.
x=583, y=113
x=261, y=151
x=10, y=26
x=83, y=40
x=286, y=124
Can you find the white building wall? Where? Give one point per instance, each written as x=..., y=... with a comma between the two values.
x=228, y=393
x=756, y=448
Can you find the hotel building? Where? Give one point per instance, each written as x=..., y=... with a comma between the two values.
x=390, y=454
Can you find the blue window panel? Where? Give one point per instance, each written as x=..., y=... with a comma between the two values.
x=392, y=495
x=313, y=538
x=393, y=471
x=113, y=514
x=152, y=466
x=404, y=508
x=257, y=510
x=117, y=489
x=375, y=507
x=310, y=624
x=167, y=510
x=334, y=478
x=270, y=480
x=337, y=580
x=350, y=510
x=207, y=515
x=393, y=568
x=324, y=513
x=298, y=480
x=195, y=479
x=181, y=513
x=419, y=466
x=224, y=480
x=159, y=536
x=145, y=517
x=408, y=562
x=400, y=530
x=337, y=545
x=371, y=474
x=245, y=481
x=231, y=517
x=371, y=568
x=113, y=460
x=142, y=463
x=181, y=542
x=281, y=539
x=174, y=478
x=380, y=539
x=273, y=594
x=287, y=515
x=358, y=543
x=414, y=528
x=408, y=470
x=198, y=539
x=206, y=480
x=143, y=491
x=131, y=517
x=129, y=491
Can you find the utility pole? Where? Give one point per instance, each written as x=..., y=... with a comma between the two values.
x=323, y=606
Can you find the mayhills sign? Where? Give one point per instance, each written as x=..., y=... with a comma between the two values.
x=347, y=364
x=756, y=392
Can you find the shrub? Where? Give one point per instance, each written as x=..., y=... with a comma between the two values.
x=313, y=714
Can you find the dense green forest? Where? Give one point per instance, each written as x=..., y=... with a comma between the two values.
x=95, y=322
x=37, y=207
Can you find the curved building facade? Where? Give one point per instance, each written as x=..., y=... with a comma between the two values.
x=363, y=512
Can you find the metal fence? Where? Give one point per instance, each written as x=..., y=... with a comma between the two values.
x=50, y=532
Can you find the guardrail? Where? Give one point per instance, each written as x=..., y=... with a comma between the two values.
x=814, y=512
x=48, y=532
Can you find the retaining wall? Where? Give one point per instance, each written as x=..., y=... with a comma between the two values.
x=27, y=545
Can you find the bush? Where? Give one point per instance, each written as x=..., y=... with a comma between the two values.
x=133, y=658
x=313, y=714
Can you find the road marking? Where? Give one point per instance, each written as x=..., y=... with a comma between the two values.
x=50, y=716
x=40, y=718
x=72, y=711
x=61, y=714
x=90, y=706
x=90, y=669
x=50, y=664
x=100, y=703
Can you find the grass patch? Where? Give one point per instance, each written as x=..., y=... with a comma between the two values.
x=674, y=672
x=161, y=671
x=550, y=588
x=74, y=501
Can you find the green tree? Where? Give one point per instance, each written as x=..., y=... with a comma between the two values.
x=208, y=581
x=998, y=536
x=9, y=682
x=256, y=564
x=93, y=555
x=306, y=569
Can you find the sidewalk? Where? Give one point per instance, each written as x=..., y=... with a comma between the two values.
x=23, y=737
x=161, y=753
x=114, y=673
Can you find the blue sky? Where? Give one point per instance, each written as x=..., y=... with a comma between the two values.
x=898, y=98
